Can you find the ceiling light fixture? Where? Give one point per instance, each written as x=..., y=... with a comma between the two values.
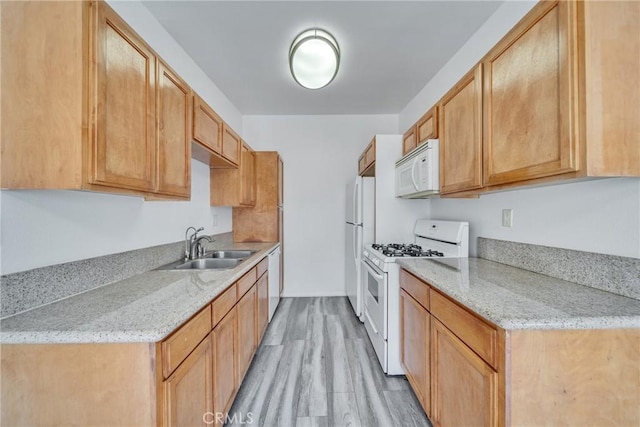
x=314, y=58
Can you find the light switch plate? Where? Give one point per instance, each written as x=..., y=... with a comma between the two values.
x=507, y=218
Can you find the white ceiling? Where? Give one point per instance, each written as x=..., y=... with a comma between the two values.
x=390, y=49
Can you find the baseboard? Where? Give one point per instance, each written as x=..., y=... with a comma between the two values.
x=312, y=294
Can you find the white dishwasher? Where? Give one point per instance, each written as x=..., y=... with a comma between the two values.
x=274, y=281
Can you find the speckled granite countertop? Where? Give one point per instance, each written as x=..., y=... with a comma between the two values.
x=513, y=298
x=144, y=308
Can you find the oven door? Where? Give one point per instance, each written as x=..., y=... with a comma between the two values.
x=375, y=297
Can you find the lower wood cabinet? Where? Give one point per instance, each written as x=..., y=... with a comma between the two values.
x=414, y=350
x=263, y=305
x=247, y=333
x=224, y=341
x=468, y=372
x=188, y=391
x=189, y=379
x=464, y=386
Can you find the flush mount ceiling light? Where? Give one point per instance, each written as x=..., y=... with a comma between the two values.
x=314, y=58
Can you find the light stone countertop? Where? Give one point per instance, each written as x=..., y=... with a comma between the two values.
x=144, y=308
x=513, y=298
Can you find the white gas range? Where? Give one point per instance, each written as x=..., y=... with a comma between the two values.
x=381, y=281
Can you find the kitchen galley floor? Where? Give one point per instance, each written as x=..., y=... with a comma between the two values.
x=317, y=367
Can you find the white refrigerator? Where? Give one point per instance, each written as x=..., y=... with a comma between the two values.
x=359, y=231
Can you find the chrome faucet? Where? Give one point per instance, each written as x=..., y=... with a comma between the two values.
x=196, y=246
x=188, y=242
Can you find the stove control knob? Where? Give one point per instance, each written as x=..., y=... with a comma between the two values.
x=366, y=253
x=376, y=262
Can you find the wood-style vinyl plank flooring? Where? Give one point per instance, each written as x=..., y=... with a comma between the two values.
x=316, y=367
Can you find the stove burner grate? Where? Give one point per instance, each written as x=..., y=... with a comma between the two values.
x=405, y=250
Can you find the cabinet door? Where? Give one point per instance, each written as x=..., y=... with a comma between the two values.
x=247, y=334
x=463, y=387
x=123, y=83
x=248, y=177
x=530, y=101
x=188, y=391
x=263, y=305
x=173, y=133
x=409, y=140
x=460, y=132
x=207, y=126
x=427, y=126
x=414, y=347
x=231, y=145
x=224, y=340
x=280, y=181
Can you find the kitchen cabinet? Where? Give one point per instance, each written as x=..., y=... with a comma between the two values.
x=188, y=391
x=225, y=362
x=100, y=120
x=409, y=140
x=247, y=330
x=262, y=317
x=215, y=143
x=480, y=374
x=235, y=187
x=194, y=371
x=464, y=387
x=174, y=106
x=414, y=347
x=367, y=161
x=460, y=132
x=530, y=85
x=262, y=222
x=425, y=128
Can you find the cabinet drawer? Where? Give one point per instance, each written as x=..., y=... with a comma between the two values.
x=246, y=282
x=262, y=267
x=223, y=303
x=178, y=346
x=475, y=332
x=415, y=287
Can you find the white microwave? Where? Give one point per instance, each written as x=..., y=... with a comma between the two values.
x=418, y=173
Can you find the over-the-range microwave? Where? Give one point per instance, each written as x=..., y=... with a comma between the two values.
x=418, y=173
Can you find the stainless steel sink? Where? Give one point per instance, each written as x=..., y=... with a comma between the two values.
x=215, y=260
x=209, y=264
x=230, y=254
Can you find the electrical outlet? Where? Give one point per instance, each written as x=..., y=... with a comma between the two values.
x=215, y=220
x=507, y=218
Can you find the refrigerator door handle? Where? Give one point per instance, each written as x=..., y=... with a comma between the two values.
x=355, y=203
x=355, y=242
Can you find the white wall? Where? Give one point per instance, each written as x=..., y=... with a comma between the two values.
x=320, y=155
x=598, y=216
x=42, y=228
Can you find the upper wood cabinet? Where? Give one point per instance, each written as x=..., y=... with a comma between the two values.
x=461, y=135
x=93, y=104
x=530, y=98
x=174, y=108
x=261, y=223
x=215, y=143
x=367, y=160
x=207, y=129
x=123, y=145
x=409, y=140
x=425, y=128
x=235, y=187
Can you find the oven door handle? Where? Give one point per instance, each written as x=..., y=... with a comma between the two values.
x=373, y=325
x=372, y=271
x=413, y=173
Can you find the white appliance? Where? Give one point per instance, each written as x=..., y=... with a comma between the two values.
x=418, y=173
x=382, y=215
x=274, y=281
x=359, y=223
x=433, y=239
